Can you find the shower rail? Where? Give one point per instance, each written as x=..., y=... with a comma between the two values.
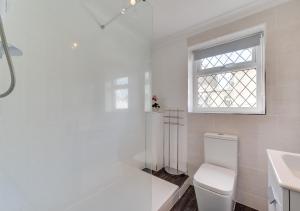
x=9, y=62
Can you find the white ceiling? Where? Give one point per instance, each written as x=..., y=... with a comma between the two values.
x=172, y=16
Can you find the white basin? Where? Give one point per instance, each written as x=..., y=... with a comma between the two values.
x=286, y=166
x=293, y=163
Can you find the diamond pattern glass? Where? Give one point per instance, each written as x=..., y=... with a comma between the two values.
x=236, y=57
x=236, y=89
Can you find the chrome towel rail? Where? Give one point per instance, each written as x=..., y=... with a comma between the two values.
x=172, y=117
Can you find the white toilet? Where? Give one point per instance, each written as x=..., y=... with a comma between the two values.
x=215, y=181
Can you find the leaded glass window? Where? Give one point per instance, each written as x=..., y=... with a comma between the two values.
x=229, y=77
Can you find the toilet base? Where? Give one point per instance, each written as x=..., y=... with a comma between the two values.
x=210, y=201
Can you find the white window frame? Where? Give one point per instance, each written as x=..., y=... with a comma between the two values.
x=260, y=68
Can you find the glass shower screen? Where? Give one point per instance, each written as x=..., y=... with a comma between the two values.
x=72, y=134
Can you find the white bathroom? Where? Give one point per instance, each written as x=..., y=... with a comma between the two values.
x=149, y=105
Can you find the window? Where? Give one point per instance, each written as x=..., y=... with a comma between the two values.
x=228, y=77
x=121, y=93
x=117, y=94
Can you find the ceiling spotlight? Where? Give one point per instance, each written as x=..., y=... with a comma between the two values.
x=74, y=45
x=123, y=11
x=132, y=2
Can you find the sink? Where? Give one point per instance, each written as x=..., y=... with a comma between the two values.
x=293, y=163
x=286, y=166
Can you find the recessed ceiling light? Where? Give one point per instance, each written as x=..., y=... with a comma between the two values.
x=123, y=11
x=132, y=2
x=74, y=45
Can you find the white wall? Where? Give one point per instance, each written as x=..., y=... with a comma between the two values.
x=279, y=129
x=62, y=140
x=169, y=63
x=167, y=80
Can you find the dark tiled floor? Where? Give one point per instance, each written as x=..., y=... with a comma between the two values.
x=177, y=180
x=189, y=203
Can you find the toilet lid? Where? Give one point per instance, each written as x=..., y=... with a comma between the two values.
x=214, y=178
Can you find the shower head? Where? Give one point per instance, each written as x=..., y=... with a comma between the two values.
x=13, y=51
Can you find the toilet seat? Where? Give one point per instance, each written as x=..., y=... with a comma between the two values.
x=216, y=179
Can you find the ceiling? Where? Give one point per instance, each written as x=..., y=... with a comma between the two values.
x=173, y=16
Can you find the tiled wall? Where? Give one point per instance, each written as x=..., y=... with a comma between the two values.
x=65, y=144
x=279, y=129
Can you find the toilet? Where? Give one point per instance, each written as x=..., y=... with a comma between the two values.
x=215, y=180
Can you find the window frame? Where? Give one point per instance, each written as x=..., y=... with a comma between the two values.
x=258, y=64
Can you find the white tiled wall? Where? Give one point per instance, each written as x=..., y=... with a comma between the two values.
x=64, y=144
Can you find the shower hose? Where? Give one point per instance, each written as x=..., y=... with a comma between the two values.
x=9, y=61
